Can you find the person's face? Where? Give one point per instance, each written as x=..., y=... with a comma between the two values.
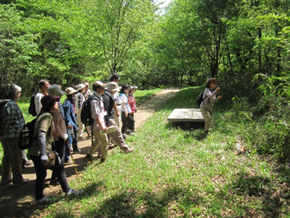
x=17, y=95
x=113, y=92
x=87, y=88
x=126, y=91
x=116, y=80
x=83, y=91
x=213, y=85
x=45, y=86
x=132, y=91
x=73, y=95
x=101, y=90
x=55, y=107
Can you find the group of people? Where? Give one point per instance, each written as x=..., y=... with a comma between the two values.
x=58, y=127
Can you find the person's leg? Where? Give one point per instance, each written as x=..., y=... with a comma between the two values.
x=124, y=122
x=16, y=158
x=100, y=141
x=207, y=118
x=75, y=143
x=40, y=176
x=130, y=122
x=60, y=172
x=80, y=125
x=6, y=163
x=60, y=149
x=117, y=137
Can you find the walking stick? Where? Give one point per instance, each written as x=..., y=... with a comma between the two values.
x=72, y=158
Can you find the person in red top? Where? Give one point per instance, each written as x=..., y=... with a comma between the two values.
x=132, y=103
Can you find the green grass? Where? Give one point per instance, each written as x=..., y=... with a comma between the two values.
x=172, y=173
x=23, y=103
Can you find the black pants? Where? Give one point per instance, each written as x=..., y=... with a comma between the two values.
x=128, y=122
x=41, y=174
x=60, y=147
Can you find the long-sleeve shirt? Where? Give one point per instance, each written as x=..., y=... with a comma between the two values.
x=209, y=98
x=59, y=122
x=37, y=102
x=98, y=111
x=12, y=120
x=80, y=98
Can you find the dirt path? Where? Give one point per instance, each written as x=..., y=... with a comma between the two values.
x=16, y=199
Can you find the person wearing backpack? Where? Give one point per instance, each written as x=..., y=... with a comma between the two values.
x=102, y=114
x=41, y=147
x=206, y=106
x=60, y=132
x=71, y=122
x=43, y=88
x=12, y=123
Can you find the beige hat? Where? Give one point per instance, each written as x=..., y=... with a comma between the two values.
x=81, y=86
x=70, y=91
x=113, y=86
x=99, y=83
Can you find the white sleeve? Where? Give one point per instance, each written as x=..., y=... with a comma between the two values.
x=37, y=102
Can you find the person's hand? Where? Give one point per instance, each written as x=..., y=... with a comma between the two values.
x=219, y=97
x=105, y=129
x=217, y=89
x=117, y=113
x=126, y=114
x=69, y=126
x=44, y=158
x=65, y=136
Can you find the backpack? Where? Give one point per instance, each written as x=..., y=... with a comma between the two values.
x=86, y=113
x=31, y=109
x=2, y=104
x=199, y=99
x=26, y=135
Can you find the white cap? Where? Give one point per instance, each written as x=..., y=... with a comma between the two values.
x=99, y=83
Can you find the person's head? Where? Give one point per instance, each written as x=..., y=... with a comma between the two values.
x=211, y=83
x=99, y=87
x=125, y=89
x=11, y=91
x=133, y=89
x=55, y=90
x=70, y=92
x=87, y=86
x=113, y=87
x=81, y=88
x=49, y=104
x=44, y=85
x=115, y=78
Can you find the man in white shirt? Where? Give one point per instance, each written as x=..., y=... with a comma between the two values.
x=80, y=98
x=43, y=86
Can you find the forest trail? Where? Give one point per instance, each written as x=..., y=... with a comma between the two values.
x=15, y=200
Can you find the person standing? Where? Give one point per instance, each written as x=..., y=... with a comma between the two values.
x=38, y=152
x=87, y=91
x=102, y=114
x=80, y=98
x=70, y=121
x=132, y=103
x=60, y=132
x=127, y=121
x=43, y=88
x=206, y=106
x=12, y=124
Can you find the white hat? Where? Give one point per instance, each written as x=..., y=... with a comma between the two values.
x=99, y=83
x=113, y=86
x=133, y=87
x=70, y=91
x=81, y=86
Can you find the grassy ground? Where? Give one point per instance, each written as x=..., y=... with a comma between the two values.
x=172, y=173
x=140, y=95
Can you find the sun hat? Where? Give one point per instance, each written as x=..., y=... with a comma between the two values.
x=48, y=101
x=55, y=90
x=99, y=83
x=113, y=86
x=70, y=91
x=133, y=87
x=81, y=87
x=86, y=84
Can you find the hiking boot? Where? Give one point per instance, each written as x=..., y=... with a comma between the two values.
x=102, y=161
x=88, y=158
x=26, y=163
x=43, y=200
x=6, y=182
x=54, y=182
x=68, y=162
x=21, y=183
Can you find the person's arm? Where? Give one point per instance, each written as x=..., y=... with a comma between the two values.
x=8, y=116
x=37, y=103
x=116, y=109
x=123, y=97
x=57, y=131
x=41, y=137
x=96, y=113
